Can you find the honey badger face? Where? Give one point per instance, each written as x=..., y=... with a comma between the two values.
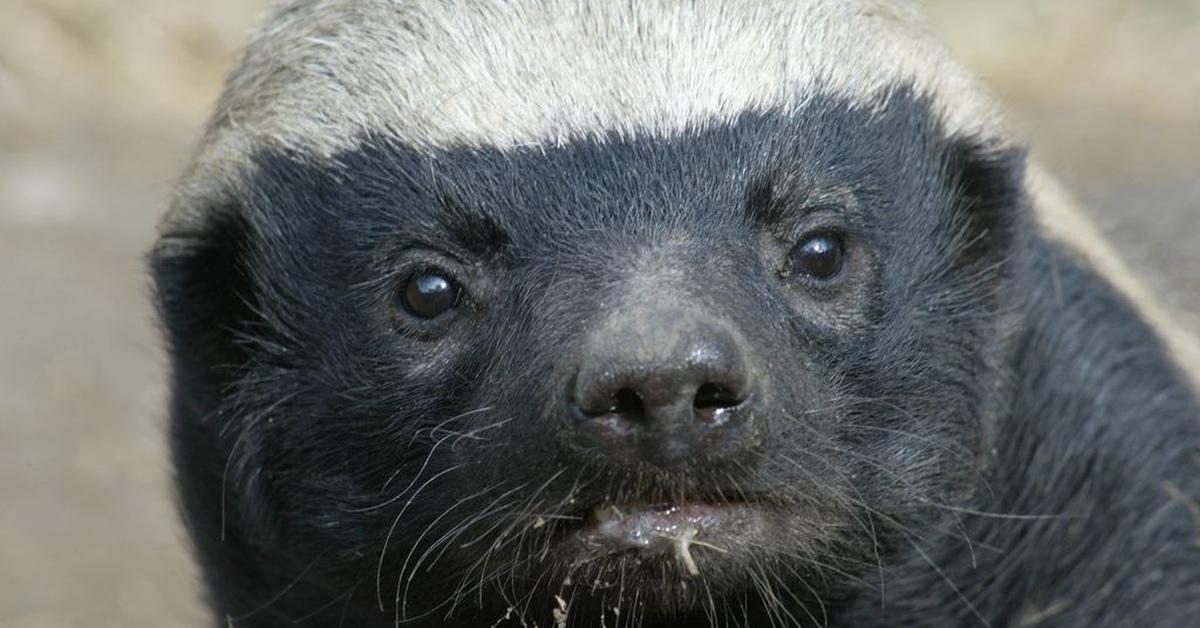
x=716, y=372
x=660, y=314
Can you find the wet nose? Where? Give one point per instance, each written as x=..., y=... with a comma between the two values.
x=663, y=389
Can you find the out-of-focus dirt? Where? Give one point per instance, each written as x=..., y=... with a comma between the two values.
x=101, y=99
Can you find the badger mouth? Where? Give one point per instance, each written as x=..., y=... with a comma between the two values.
x=682, y=530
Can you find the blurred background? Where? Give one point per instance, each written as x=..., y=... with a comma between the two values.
x=101, y=101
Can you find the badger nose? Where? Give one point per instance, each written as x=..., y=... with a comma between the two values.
x=698, y=380
x=662, y=387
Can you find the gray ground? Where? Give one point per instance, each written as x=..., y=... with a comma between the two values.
x=99, y=101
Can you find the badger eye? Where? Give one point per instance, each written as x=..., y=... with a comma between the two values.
x=820, y=256
x=430, y=294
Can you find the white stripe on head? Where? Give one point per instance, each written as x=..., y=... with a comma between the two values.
x=433, y=73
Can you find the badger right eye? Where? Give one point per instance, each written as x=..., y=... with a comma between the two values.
x=429, y=294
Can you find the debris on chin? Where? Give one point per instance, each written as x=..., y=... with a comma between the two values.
x=668, y=529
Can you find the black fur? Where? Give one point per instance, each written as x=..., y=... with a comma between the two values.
x=973, y=429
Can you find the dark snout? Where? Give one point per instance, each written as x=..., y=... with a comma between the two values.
x=664, y=385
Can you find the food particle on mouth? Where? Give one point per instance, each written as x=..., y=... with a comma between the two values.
x=683, y=549
x=560, y=613
x=684, y=553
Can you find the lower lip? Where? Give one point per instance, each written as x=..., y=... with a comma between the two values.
x=686, y=530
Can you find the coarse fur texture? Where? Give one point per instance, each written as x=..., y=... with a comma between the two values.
x=972, y=423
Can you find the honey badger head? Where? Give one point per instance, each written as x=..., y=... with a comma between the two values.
x=673, y=312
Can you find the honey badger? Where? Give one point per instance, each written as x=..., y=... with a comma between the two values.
x=554, y=313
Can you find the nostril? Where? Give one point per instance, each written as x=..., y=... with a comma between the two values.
x=715, y=397
x=625, y=402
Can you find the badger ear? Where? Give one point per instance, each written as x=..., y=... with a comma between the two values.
x=203, y=293
x=203, y=288
x=991, y=205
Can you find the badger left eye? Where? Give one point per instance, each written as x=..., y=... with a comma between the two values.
x=430, y=294
x=820, y=256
